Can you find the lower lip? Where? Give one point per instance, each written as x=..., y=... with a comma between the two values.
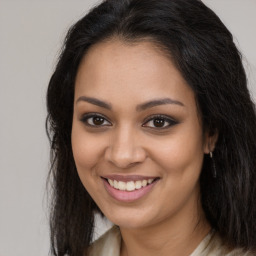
x=128, y=196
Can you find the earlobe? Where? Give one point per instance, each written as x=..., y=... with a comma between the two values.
x=210, y=142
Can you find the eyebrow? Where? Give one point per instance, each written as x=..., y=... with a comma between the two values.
x=140, y=107
x=95, y=101
x=157, y=102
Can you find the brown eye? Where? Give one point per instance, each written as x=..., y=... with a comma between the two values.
x=95, y=120
x=159, y=122
x=98, y=120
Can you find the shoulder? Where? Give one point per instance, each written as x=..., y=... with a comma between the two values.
x=107, y=245
x=213, y=245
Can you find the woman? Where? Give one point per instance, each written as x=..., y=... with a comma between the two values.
x=152, y=125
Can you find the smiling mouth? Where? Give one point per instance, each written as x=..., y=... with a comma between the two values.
x=130, y=185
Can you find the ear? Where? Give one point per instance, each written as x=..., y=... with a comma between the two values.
x=210, y=141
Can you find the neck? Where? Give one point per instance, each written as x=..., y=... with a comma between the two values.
x=176, y=237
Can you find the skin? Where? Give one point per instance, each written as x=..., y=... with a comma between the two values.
x=127, y=142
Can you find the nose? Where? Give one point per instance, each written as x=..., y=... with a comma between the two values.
x=124, y=149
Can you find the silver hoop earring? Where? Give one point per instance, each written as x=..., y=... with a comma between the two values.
x=214, y=172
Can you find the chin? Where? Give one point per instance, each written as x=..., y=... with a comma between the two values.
x=128, y=223
x=130, y=218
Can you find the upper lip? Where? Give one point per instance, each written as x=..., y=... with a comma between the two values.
x=127, y=178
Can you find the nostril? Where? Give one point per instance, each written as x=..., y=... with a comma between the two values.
x=125, y=157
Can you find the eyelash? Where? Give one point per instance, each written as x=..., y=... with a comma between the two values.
x=86, y=117
x=166, y=119
x=86, y=120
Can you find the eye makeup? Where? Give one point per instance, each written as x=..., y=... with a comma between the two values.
x=157, y=122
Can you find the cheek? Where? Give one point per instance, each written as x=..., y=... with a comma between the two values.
x=86, y=148
x=180, y=152
x=87, y=151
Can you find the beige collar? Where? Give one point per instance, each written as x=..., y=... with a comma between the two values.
x=109, y=245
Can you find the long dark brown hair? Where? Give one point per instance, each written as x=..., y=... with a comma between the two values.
x=203, y=51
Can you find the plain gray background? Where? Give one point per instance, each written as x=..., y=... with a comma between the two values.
x=31, y=33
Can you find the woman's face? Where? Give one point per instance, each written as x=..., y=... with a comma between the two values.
x=137, y=137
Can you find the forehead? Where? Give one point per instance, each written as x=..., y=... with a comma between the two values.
x=139, y=71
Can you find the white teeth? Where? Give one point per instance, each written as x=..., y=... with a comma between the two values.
x=138, y=184
x=115, y=184
x=121, y=185
x=144, y=183
x=130, y=185
x=150, y=181
x=111, y=182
